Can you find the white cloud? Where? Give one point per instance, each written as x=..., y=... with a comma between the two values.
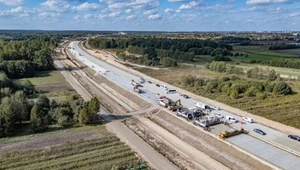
x=150, y=12
x=17, y=12
x=130, y=17
x=56, y=6
x=128, y=11
x=155, y=17
x=266, y=2
x=189, y=5
x=114, y=14
x=295, y=15
x=168, y=10
x=88, y=6
x=45, y=15
x=12, y=2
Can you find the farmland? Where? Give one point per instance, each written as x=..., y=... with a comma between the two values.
x=95, y=149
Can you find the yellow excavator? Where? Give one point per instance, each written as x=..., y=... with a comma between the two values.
x=230, y=133
x=175, y=105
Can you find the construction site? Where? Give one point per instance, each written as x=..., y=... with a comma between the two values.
x=187, y=132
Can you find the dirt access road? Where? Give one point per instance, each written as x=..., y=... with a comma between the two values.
x=200, y=159
x=145, y=151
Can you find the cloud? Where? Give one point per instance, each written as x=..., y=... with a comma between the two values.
x=88, y=6
x=130, y=17
x=155, y=17
x=189, y=5
x=12, y=2
x=266, y=2
x=17, y=12
x=47, y=15
x=58, y=6
x=114, y=14
x=128, y=11
x=150, y=12
x=168, y=10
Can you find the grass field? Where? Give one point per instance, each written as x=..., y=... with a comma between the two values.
x=283, y=109
x=51, y=84
x=91, y=147
x=259, y=50
x=290, y=51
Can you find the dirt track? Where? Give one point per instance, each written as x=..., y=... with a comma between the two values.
x=185, y=150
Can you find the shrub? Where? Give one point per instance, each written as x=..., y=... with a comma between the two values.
x=234, y=94
x=282, y=88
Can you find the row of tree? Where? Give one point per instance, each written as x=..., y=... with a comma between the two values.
x=288, y=63
x=255, y=73
x=283, y=46
x=178, y=49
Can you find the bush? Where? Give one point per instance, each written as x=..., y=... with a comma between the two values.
x=261, y=95
x=234, y=94
x=282, y=88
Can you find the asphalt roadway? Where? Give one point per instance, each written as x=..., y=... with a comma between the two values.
x=273, y=140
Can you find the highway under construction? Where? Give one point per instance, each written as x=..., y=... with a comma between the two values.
x=191, y=112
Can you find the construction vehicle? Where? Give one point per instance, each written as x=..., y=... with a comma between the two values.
x=164, y=101
x=175, y=105
x=209, y=121
x=189, y=113
x=231, y=133
x=136, y=89
x=185, y=113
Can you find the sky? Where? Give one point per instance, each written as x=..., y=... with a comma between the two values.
x=151, y=15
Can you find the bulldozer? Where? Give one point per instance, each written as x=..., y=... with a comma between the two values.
x=175, y=105
x=230, y=133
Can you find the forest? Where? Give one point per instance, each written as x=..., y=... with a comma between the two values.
x=20, y=59
x=18, y=106
x=156, y=49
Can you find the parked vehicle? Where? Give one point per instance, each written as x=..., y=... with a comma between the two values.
x=185, y=96
x=247, y=119
x=295, y=137
x=232, y=119
x=149, y=82
x=170, y=91
x=157, y=85
x=259, y=131
x=219, y=115
x=164, y=86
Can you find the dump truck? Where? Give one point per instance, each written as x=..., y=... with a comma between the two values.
x=230, y=133
x=209, y=121
x=175, y=105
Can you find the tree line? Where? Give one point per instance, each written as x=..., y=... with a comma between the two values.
x=20, y=59
x=255, y=73
x=177, y=49
x=283, y=46
x=288, y=63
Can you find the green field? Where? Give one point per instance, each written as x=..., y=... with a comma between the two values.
x=91, y=147
x=52, y=84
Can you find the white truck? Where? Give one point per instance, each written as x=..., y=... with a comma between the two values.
x=202, y=106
